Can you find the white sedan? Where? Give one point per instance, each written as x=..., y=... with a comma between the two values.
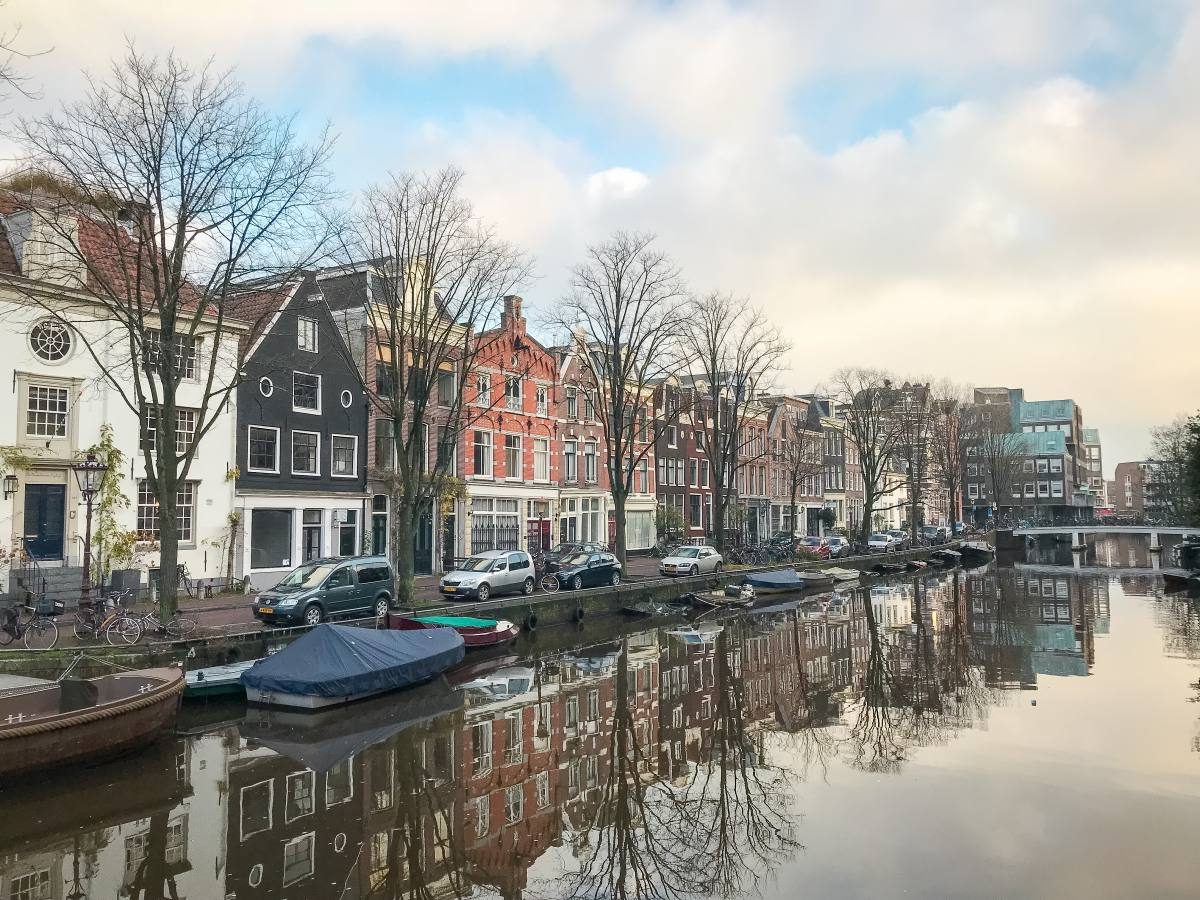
x=881, y=542
x=691, y=561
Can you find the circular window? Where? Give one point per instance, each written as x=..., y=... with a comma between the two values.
x=347, y=399
x=265, y=386
x=256, y=874
x=339, y=842
x=50, y=340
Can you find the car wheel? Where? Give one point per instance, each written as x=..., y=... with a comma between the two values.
x=381, y=607
x=313, y=614
x=694, y=570
x=576, y=583
x=484, y=591
x=528, y=586
x=717, y=569
x=616, y=579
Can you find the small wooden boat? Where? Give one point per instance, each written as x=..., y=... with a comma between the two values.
x=85, y=720
x=336, y=664
x=475, y=632
x=780, y=581
x=1174, y=582
x=650, y=608
x=843, y=574
x=945, y=558
x=213, y=681
x=720, y=600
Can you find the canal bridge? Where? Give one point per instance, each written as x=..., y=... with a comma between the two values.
x=1079, y=533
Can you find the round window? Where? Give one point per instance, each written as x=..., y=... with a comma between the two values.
x=50, y=340
x=265, y=386
x=347, y=399
x=339, y=842
x=256, y=874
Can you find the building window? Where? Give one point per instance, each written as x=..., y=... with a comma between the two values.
x=542, y=789
x=541, y=459
x=483, y=389
x=263, y=449
x=481, y=747
x=347, y=398
x=693, y=473
x=972, y=470
x=306, y=334
x=46, y=415
x=385, y=381
x=184, y=352
x=512, y=456
x=1029, y=489
x=589, y=461
x=147, y=511
x=447, y=455
x=1056, y=465
x=343, y=455
x=298, y=858
x=694, y=511
x=514, y=804
x=572, y=403
x=185, y=430
x=306, y=392
x=1027, y=466
x=570, y=464
x=50, y=340
x=1056, y=489
x=31, y=886
x=483, y=816
x=543, y=400
x=589, y=405
x=512, y=392
x=385, y=444
x=704, y=473
x=641, y=483
x=299, y=797
x=972, y=492
x=447, y=388
x=306, y=453
x=1043, y=466
x=483, y=454
x=672, y=436
x=1043, y=489
x=339, y=783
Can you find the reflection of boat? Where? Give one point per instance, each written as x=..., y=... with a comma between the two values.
x=781, y=580
x=322, y=739
x=888, y=568
x=475, y=632
x=722, y=599
x=78, y=720
x=696, y=636
x=503, y=683
x=650, y=608
x=843, y=574
x=945, y=558
x=976, y=551
x=1179, y=580
x=336, y=664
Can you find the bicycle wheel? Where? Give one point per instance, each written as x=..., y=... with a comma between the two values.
x=180, y=626
x=41, y=634
x=123, y=632
x=550, y=584
x=84, y=625
x=6, y=636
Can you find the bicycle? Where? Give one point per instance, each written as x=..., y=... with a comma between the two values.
x=38, y=632
x=110, y=619
x=550, y=583
x=185, y=580
x=175, y=628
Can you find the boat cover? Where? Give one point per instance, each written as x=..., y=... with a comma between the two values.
x=456, y=621
x=341, y=661
x=322, y=739
x=779, y=580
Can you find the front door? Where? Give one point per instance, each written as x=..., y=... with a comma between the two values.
x=423, y=546
x=45, y=506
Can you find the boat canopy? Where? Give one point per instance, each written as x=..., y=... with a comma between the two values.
x=342, y=660
x=456, y=621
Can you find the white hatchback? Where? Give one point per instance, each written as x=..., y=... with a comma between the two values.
x=691, y=561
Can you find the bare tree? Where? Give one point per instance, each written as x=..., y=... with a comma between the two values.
x=11, y=53
x=438, y=278
x=1171, y=448
x=623, y=313
x=914, y=413
x=868, y=403
x=948, y=443
x=999, y=450
x=798, y=456
x=171, y=190
x=734, y=354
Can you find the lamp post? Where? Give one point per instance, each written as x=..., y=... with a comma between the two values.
x=89, y=475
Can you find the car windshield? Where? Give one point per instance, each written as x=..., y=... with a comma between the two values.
x=688, y=552
x=304, y=577
x=812, y=540
x=475, y=564
x=880, y=537
x=576, y=559
x=562, y=548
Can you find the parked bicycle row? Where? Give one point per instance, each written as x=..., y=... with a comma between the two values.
x=111, y=619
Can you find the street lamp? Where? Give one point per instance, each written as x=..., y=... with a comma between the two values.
x=89, y=475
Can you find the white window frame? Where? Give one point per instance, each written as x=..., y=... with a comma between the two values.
x=672, y=436
x=591, y=460
x=483, y=389
x=270, y=783
x=287, y=795
x=303, y=324
x=311, y=838
x=542, y=400
x=491, y=455
x=316, y=473
x=1056, y=489
x=334, y=437
x=571, y=473
x=542, y=456
x=520, y=476
x=301, y=409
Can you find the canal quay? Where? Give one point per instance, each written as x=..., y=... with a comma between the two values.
x=1027, y=728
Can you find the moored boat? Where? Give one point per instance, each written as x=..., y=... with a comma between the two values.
x=888, y=568
x=476, y=632
x=779, y=581
x=976, y=551
x=85, y=720
x=213, y=681
x=336, y=664
x=650, y=608
x=843, y=574
x=720, y=599
x=916, y=565
x=945, y=558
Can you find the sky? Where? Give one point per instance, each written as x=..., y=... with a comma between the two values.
x=998, y=193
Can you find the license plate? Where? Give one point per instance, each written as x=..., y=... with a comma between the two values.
x=266, y=609
x=449, y=589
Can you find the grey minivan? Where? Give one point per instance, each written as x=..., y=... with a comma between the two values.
x=490, y=572
x=323, y=588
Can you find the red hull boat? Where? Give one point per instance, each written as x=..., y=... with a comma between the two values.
x=475, y=632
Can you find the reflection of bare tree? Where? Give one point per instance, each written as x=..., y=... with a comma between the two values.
x=875, y=736
x=801, y=706
x=154, y=879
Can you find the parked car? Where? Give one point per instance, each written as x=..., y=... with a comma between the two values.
x=556, y=554
x=815, y=545
x=901, y=538
x=881, y=542
x=838, y=546
x=782, y=539
x=694, y=560
x=931, y=534
x=488, y=573
x=322, y=588
x=588, y=570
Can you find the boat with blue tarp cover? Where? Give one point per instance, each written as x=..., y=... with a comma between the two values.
x=779, y=581
x=336, y=664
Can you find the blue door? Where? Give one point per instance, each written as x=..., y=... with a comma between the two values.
x=45, y=505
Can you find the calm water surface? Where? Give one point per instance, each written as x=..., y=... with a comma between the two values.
x=1021, y=732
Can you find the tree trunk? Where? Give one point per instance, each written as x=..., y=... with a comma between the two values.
x=168, y=542
x=403, y=529
x=720, y=514
x=619, y=499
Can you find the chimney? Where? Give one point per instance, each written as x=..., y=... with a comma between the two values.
x=511, y=319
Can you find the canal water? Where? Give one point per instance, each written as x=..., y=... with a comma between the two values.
x=1023, y=731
